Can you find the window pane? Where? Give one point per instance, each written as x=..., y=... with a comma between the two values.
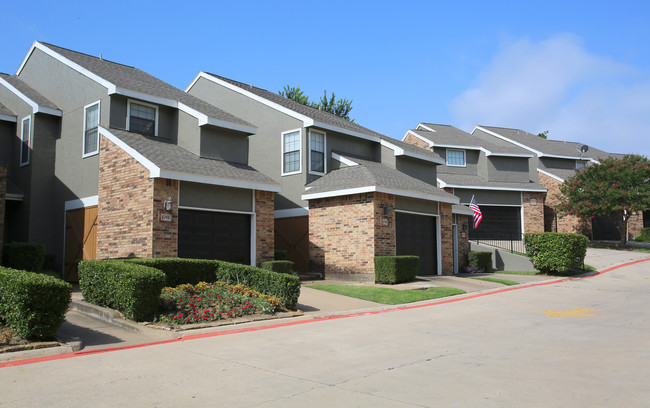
x=142, y=119
x=317, y=147
x=317, y=161
x=455, y=157
x=291, y=162
x=90, y=141
x=92, y=117
x=291, y=142
x=291, y=158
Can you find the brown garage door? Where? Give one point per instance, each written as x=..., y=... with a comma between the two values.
x=214, y=235
x=416, y=235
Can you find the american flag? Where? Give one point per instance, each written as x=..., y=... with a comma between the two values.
x=478, y=215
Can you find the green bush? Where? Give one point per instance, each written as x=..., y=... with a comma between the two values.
x=553, y=252
x=280, y=285
x=131, y=288
x=480, y=260
x=23, y=256
x=33, y=304
x=645, y=235
x=180, y=270
x=278, y=266
x=396, y=269
x=281, y=255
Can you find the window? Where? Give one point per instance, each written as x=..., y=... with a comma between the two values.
x=456, y=158
x=142, y=118
x=26, y=141
x=317, y=152
x=91, y=130
x=291, y=152
x=580, y=165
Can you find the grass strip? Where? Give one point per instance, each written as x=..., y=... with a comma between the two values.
x=388, y=296
x=501, y=281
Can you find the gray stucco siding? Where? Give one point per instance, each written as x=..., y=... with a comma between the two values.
x=490, y=197
x=388, y=157
x=472, y=159
x=415, y=205
x=197, y=195
x=555, y=163
x=418, y=169
x=510, y=169
x=189, y=133
x=217, y=143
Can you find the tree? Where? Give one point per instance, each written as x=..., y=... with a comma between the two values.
x=543, y=135
x=340, y=107
x=615, y=188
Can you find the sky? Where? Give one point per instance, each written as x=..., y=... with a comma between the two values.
x=579, y=70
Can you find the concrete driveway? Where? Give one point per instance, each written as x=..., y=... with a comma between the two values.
x=575, y=343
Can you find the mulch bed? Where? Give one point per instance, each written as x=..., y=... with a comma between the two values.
x=10, y=341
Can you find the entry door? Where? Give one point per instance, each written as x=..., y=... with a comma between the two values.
x=80, y=239
x=454, y=232
x=416, y=235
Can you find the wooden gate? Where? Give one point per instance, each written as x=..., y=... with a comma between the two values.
x=292, y=234
x=80, y=239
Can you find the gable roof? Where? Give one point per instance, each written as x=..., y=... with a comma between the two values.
x=479, y=183
x=6, y=114
x=132, y=82
x=545, y=147
x=316, y=117
x=368, y=176
x=451, y=137
x=171, y=161
x=30, y=96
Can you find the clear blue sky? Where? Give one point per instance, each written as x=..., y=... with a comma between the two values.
x=579, y=69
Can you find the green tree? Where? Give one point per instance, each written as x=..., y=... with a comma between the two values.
x=615, y=188
x=338, y=107
x=543, y=135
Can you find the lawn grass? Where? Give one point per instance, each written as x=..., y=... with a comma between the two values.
x=587, y=268
x=501, y=281
x=388, y=296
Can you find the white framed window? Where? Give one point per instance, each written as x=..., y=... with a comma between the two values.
x=142, y=118
x=456, y=158
x=291, y=152
x=91, y=129
x=580, y=165
x=25, y=140
x=317, y=147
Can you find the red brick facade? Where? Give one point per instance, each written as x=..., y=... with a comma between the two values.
x=560, y=223
x=446, y=239
x=416, y=141
x=165, y=233
x=462, y=223
x=635, y=225
x=347, y=232
x=533, y=210
x=3, y=198
x=264, y=225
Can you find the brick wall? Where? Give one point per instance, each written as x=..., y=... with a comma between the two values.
x=126, y=205
x=3, y=197
x=533, y=208
x=165, y=233
x=264, y=225
x=635, y=225
x=410, y=139
x=446, y=239
x=343, y=233
x=462, y=221
x=564, y=223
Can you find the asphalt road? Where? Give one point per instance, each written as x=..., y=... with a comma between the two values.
x=578, y=343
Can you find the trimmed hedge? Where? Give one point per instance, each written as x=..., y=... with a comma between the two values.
x=132, y=289
x=23, y=256
x=645, y=235
x=281, y=255
x=179, y=271
x=553, y=252
x=480, y=260
x=278, y=266
x=32, y=304
x=396, y=269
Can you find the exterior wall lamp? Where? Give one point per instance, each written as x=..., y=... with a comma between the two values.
x=388, y=211
x=168, y=205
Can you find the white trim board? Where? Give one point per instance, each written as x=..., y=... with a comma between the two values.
x=467, y=187
x=553, y=176
x=8, y=118
x=398, y=151
x=372, y=189
x=81, y=203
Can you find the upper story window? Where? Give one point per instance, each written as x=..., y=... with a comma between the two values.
x=580, y=165
x=142, y=118
x=91, y=129
x=291, y=152
x=456, y=158
x=317, y=152
x=25, y=141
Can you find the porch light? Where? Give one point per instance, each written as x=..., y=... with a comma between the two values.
x=168, y=205
x=388, y=211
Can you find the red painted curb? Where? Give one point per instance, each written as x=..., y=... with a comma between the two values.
x=300, y=322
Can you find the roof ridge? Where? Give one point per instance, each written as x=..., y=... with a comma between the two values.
x=88, y=55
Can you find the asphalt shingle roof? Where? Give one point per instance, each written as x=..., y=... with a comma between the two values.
x=450, y=135
x=561, y=173
x=325, y=117
x=372, y=174
x=549, y=147
x=28, y=91
x=124, y=76
x=5, y=111
x=478, y=181
x=171, y=157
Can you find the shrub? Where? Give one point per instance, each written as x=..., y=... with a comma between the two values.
x=180, y=270
x=279, y=267
x=281, y=255
x=396, y=269
x=553, y=252
x=131, y=288
x=645, y=235
x=23, y=256
x=32, y=304
x=280, y=285
x=480, y=260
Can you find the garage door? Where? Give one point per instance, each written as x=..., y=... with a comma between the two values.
x=603, y=229
x=416, y=235
x=214, y=235
x=499, y=223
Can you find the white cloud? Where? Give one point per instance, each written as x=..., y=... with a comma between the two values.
x=556, y=85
